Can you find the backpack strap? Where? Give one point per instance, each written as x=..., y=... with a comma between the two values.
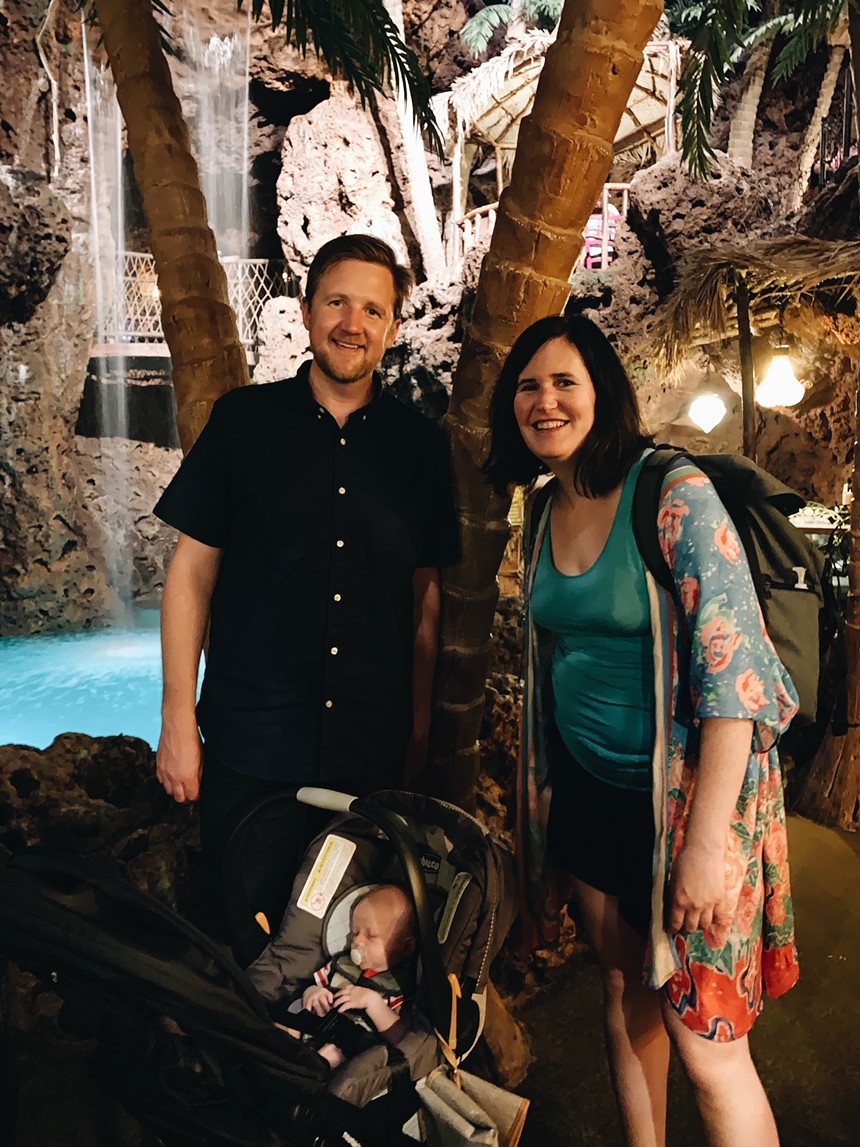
x=646, y=501
x=534, y=511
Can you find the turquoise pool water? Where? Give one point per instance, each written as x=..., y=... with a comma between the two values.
x=102, y=682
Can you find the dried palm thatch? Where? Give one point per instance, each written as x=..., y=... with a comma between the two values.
x=502, y=89
x=794, y=269
x=490, y=102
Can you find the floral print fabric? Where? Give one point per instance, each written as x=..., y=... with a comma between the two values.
x=714, y=660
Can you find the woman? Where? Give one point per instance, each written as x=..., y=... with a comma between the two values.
x=661, y=806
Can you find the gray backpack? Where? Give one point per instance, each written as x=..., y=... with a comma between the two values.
x=792, y=577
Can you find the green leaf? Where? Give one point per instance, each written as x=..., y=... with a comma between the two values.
x=477, y=32
x=812, y=21
x=359, y=43
x=716, y=29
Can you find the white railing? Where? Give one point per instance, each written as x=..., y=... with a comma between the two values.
x=599, y=233
x=135, y=316
x=472, y=228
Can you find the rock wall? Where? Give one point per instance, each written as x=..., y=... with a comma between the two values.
x=47, y=532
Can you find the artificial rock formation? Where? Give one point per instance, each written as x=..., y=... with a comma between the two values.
x=322, y=194
x=98, y=798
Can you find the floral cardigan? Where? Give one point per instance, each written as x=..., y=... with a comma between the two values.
x=713, y=982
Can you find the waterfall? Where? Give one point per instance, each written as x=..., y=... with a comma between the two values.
x=219, y=130
x=216, y=106
x=107, y=238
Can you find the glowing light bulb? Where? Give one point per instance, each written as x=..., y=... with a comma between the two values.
x=156, y=294
x=707, y=411
x=780, y=386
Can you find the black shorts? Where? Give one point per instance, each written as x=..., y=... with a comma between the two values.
x=602, y=834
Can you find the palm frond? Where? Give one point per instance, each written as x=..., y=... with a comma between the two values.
x=687, y=16
x=549, y=10
x=701, y=309
x=716, y=29
x=813, y=20
x=359, y=43
x=477, y=32
x=769, y=30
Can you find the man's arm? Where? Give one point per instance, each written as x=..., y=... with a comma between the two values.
x=427, y=599
x=184, y=617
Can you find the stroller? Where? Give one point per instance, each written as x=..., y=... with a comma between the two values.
x=183, y=1038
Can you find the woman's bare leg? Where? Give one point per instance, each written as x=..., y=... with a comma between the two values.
x=636, y=1040
x=729, y=1093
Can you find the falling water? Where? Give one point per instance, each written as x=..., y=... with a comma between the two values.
x=107, y=232
x=220, y=133
x=217, y=109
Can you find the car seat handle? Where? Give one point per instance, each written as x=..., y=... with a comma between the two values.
x=325, y=798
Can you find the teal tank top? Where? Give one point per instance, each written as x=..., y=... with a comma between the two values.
x=603, y=666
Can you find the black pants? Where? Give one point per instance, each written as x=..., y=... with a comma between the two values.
x=226, y=796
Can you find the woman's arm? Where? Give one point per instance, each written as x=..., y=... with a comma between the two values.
x=698, y=882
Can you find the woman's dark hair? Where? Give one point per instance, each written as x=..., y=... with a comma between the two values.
x=611, y=446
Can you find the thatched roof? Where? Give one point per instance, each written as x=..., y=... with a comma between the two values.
x=778, y=272
x=490, y=102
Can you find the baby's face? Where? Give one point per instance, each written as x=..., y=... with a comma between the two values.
x=373, y=936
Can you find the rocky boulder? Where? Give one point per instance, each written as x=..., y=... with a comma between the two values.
x=98, y=798
x=35, y=234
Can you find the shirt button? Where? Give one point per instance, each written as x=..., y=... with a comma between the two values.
x=329, y=704
x=337, y=597
x=341, y=489
x=343, y=442
x=334, y=651
x=339, y=543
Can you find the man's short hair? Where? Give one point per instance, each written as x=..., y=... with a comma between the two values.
x=367, y=249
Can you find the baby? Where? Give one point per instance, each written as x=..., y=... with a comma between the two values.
x=382, y=936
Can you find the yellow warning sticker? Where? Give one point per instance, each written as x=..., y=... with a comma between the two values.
x=325, y=876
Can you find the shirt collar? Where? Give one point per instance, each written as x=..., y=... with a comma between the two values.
x=301, y=390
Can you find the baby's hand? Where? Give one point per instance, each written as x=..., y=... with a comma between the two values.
x=353, y=997
x=317, y=1000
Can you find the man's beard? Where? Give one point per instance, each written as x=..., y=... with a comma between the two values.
x=337, y=374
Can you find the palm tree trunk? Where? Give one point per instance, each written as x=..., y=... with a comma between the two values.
x=411, y=165
x=742, y=132
x=812, y=139
x=198, y=321
x=564, y=154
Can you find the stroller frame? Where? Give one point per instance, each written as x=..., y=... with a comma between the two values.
x=56, y=919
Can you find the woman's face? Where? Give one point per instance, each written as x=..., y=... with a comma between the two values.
x=554, y=403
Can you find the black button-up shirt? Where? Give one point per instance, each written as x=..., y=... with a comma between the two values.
x=322, y=528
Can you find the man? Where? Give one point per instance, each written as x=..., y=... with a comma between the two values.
x=314, y=514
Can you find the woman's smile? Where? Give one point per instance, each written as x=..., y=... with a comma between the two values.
x=554, y=402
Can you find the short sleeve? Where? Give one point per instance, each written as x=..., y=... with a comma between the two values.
x=734, y=670
x=196, y=500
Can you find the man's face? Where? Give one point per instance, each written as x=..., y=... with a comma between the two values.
x=350, y=320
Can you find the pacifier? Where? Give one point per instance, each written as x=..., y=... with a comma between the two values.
x=357, y=956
